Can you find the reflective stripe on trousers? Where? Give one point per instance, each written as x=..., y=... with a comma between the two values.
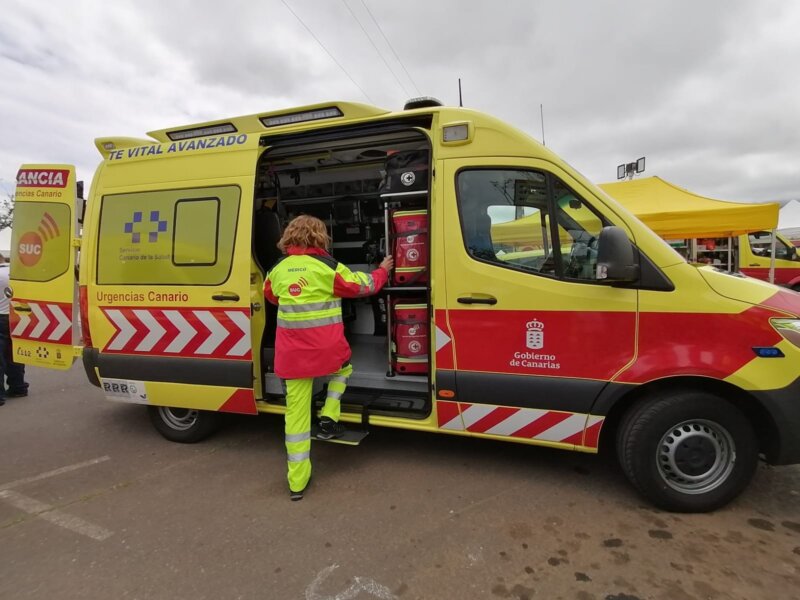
x=298, y=432
x=336, y=387
x=298, y=422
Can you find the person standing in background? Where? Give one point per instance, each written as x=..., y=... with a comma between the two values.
x=12, y=375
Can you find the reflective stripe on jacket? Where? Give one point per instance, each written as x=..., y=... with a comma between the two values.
x=307, y=285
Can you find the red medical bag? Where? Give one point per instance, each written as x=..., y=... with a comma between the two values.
x=410, y=338
x=410, y=246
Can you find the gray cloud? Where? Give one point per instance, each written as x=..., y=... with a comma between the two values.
x=705, y=90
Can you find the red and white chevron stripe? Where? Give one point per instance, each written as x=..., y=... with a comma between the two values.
x=46, y=322
x=526, y=423
x=186, y=332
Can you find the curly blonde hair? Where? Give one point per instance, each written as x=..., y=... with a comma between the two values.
x=305, y=231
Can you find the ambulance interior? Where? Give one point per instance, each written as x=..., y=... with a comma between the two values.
x=342, y=183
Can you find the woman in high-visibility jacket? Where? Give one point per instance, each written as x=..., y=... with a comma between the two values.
x=308, y=284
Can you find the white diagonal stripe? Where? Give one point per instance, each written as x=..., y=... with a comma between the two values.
x=517, y=421
x=442, y=339
x=569, y=426
x=475, y=413
x=217, y=335
x=593, y=419
x=64, y=322
x=155, y=330
x=24, y=319
x=185, y=331
x=126, y=330
x=455, y=423
x=44, y=321
x=243, y=323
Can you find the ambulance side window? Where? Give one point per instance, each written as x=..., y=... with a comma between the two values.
x=507, y=219
x=168, y=237
x=761, y=245
x=196, y=239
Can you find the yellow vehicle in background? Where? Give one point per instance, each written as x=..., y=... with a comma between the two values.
x=755, y=258
x=555, y=317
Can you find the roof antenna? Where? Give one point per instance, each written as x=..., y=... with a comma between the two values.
x=460, y=102
x=541, y=112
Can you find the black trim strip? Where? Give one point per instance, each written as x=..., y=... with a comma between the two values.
x=526, y=391
x=445, y=380
x=195, y=371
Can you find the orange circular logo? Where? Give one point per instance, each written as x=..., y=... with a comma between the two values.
x=30, y=248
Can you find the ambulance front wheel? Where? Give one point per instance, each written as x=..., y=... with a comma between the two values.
x=183, y=425
x=688, y=451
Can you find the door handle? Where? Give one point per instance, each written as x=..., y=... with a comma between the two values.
x=753, y=264
x=22, y=309
x=490, y=300
x=226, y=297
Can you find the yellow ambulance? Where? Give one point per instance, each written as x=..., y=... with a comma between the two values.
x=755, y=258
x=589, y=333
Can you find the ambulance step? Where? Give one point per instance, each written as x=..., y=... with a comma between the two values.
x=351, y=437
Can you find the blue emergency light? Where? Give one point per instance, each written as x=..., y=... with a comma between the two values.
x=768, y=352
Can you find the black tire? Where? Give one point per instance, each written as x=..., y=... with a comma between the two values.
x=687, y=451
x=183, y=425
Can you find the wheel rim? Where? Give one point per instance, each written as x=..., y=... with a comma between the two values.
x=179, y=419
x=696, y=456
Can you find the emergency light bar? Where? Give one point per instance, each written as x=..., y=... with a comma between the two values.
x=302, y=117
x=185, y=134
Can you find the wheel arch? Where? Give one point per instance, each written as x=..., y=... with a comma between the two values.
x=764, y=425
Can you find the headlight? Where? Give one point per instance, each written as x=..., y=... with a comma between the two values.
x=789, y=329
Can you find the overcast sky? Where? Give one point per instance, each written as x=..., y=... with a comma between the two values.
x=707, y=91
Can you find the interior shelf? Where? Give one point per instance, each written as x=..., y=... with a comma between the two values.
x=405, y=194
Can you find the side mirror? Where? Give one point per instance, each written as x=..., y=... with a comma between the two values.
x=616, y=262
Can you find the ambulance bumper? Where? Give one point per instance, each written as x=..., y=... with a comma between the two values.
x=784, y=408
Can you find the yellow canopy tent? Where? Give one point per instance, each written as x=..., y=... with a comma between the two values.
x=525, y=232
x=675, y=213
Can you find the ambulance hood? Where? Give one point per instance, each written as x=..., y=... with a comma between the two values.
x=752, y=291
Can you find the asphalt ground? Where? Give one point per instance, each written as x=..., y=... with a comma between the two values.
x=95, y=504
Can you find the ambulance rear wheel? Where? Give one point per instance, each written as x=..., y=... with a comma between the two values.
x=687, y=452
x=183, y=425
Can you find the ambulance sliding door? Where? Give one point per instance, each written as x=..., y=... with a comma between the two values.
x=42, y=270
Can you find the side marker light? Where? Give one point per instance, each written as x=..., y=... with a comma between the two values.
x=768, y=352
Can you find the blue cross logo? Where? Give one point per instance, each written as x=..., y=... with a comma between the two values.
x=157, y=226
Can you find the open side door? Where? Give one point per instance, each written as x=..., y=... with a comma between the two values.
x=42, y=273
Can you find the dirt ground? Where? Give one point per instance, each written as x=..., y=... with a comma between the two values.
x=95, y=504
